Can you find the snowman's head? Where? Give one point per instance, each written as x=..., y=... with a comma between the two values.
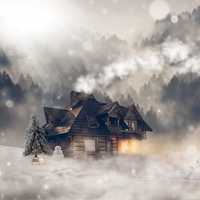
x=58, y=148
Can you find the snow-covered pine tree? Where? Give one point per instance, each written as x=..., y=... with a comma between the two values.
x=35, y=139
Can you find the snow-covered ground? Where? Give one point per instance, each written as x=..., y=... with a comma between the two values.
x=173, y=177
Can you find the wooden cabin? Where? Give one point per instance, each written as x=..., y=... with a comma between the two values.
x=92, y=128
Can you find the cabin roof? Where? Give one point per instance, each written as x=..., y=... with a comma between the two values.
x=105, y=108
x=134, y=115
x=92, y=106
x=78, y=98
x=86, y=119
x=58, y=117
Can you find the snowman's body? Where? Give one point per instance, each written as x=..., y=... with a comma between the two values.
x=58, y=153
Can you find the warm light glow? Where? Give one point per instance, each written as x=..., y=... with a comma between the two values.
x=27, y=18
x=130, y=146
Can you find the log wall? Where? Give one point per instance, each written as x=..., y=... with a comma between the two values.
x=104, y=145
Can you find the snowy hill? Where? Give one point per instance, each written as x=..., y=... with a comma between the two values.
x=127, y=177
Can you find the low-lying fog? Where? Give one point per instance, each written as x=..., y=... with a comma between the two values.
x=159, y=171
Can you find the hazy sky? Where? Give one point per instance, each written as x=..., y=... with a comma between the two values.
x=124, y=16
x=31, y=28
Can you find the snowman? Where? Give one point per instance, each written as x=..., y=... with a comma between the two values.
x=58, y=153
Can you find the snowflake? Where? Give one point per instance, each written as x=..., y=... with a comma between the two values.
x=104, y=11
x=159, y=111
x=99, y=181
x=8, y=164
x=133, y=172
x=191, y=128
x=2, y=134
x=159, y=9
x=9, y=103
x=46, y=187
x=102, y=180
x=115, y=1
x=59, y=97
x=174, y=19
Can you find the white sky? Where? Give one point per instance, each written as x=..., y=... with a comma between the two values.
x=122, y=16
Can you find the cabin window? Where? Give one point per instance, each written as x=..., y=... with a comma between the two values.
x=92, y=122
x=114, y=121
x=90, y=145
x=131, y=125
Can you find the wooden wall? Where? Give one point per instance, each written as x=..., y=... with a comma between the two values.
x=75, y=146
x=104, y=145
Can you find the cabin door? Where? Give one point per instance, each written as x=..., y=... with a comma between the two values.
x=90, y=145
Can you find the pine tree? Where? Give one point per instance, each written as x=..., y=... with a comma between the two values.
x=35, y=139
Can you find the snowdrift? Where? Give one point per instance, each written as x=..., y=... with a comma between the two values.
x=176, y=176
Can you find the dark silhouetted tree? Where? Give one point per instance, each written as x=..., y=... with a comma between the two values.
x=35, y=139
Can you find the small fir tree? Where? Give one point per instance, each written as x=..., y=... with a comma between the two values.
x=35, y=139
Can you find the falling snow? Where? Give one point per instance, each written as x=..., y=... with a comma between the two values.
x=159, y=9
x=9, y=103
x=174, y=19
x=104, y=11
